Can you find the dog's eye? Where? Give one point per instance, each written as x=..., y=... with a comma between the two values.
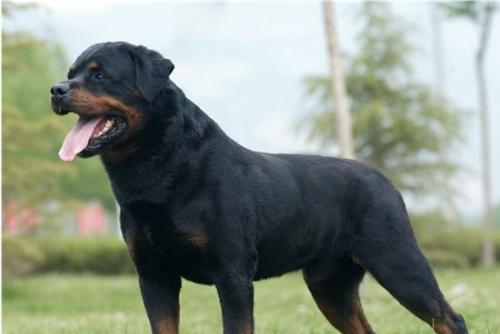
x=99, y=76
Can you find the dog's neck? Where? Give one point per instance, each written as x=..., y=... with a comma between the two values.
x=163, y=149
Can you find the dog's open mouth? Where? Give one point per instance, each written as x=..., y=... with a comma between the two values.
x=89, y=135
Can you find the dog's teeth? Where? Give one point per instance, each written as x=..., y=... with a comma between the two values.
x=106, y=127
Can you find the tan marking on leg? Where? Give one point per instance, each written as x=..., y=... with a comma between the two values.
x=443, y=325
x=168, y=325
x=131, y=248
x=198, y=239
x=442, y=328
x=352, y=323
x=245, y=326
x=246, y=329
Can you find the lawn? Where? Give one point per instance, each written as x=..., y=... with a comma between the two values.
x=87, y=304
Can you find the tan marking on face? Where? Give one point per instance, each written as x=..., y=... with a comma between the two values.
x=136, y=92
x=94, y=105
x=93, y=65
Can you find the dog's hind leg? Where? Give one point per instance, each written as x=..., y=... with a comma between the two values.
x=389, y=251
x=335, y=291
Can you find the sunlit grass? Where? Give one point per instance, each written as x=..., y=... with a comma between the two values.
x=91, y=304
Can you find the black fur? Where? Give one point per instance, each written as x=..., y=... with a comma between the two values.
x=197, y=205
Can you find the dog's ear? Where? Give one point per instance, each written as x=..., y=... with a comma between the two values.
x=151, y=71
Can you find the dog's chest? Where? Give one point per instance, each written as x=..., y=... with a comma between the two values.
x=167, y=241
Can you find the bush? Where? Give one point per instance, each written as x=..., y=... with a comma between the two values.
x=20, y=257
x=443, y=244
x=106, y=256
x=96, y=255
x=461, y=242
x=451, y=244
x=447, y=259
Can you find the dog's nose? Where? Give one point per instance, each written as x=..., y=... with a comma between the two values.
x=59, y=89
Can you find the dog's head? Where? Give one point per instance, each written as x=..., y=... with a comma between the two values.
x=110, y=87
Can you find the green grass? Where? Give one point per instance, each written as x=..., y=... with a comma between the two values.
x=91, y=304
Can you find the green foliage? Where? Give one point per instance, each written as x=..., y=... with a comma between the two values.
x=399, y=126
x=472, y=10
x=443, y=244
x=32, y=134
x=27, y=130
x=444, y=259
x=30, y=66
x=450, y=245
x=20, y=257
x=97, y=255
x=104, y=256
x=496, y=213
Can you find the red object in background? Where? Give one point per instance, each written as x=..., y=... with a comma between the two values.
x=91, y=219
x=18, y=219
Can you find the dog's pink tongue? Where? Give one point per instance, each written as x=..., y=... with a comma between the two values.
x=78, y=138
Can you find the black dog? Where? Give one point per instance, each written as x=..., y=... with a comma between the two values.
x=197, y=205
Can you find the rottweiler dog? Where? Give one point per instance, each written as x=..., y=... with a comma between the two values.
x=197, y=205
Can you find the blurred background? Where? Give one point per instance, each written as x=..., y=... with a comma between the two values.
x=415, y=94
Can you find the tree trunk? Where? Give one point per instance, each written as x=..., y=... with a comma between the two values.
x=488, y=259
x=451, y=211
x=337, y=83
x=437, y=43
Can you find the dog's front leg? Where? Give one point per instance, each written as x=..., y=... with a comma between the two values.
x=235, y=291
x=161, y=299
x=160, y=285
